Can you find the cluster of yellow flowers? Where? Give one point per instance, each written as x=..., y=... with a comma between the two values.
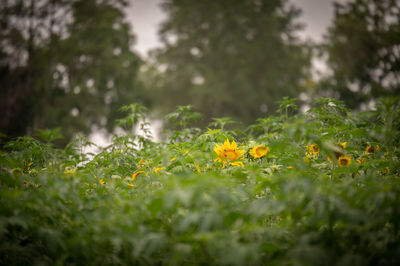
x=311, y=152
x=368, y=149
x=343, y=160
x=229, y=154
x=157, y=170
x=313, y=149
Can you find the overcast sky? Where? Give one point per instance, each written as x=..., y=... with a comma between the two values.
x=146, y=15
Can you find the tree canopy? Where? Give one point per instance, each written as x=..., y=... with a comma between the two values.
x=65, y=64
x=233, y=58
x=363, y=46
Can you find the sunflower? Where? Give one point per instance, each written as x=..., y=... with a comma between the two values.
x=69, y=170
x=344, y=160
x=136, y=174
x=27, y=165
x=16, y=171
x=259, y=151
x=156, y=170
x=237, y=163
x=313, y=148
x=227, y=151
x=340, y=147
x=371, y=149
x=362, y=160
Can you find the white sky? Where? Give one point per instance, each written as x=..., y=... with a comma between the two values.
x=317, y=16
x=146, y=15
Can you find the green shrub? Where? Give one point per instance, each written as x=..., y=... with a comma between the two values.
x=143, y=203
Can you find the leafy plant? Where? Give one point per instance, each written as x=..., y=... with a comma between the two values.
x=309, y=189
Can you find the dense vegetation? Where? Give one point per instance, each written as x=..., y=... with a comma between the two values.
x=265, y=196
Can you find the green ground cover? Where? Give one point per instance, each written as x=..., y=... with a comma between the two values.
x=320, y=188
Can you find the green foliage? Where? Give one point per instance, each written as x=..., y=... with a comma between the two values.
x=49, y=135
x=136, y=114
x=180, y=120
x=222, y=122
x=171, y=203
x=183, y=116
x=286, y=106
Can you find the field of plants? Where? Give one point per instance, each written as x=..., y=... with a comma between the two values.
x=321, y=188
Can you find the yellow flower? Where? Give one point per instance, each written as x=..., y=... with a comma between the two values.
x=313, y=148
x=141, y=162
x=131, y=185
x=28, y=164
x=173, y=159
x=290, y=167
x=136, y=174
x=101, y=181
x=228, y=151
x=259, y=151
x=237, y=163
x=198, y=168
x=371, y=149
x=307, y=158
x=362, y=160
x=158, y=169
x=344, y=160
x=340, y=147
x=16, y=171
x=68, y=170
x=220, y=160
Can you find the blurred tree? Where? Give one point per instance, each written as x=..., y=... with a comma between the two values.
x=29, y=32
x=65, y=64
x=234, y=58
x=363, y=46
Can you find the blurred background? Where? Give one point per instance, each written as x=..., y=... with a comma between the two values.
x=71, y=64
